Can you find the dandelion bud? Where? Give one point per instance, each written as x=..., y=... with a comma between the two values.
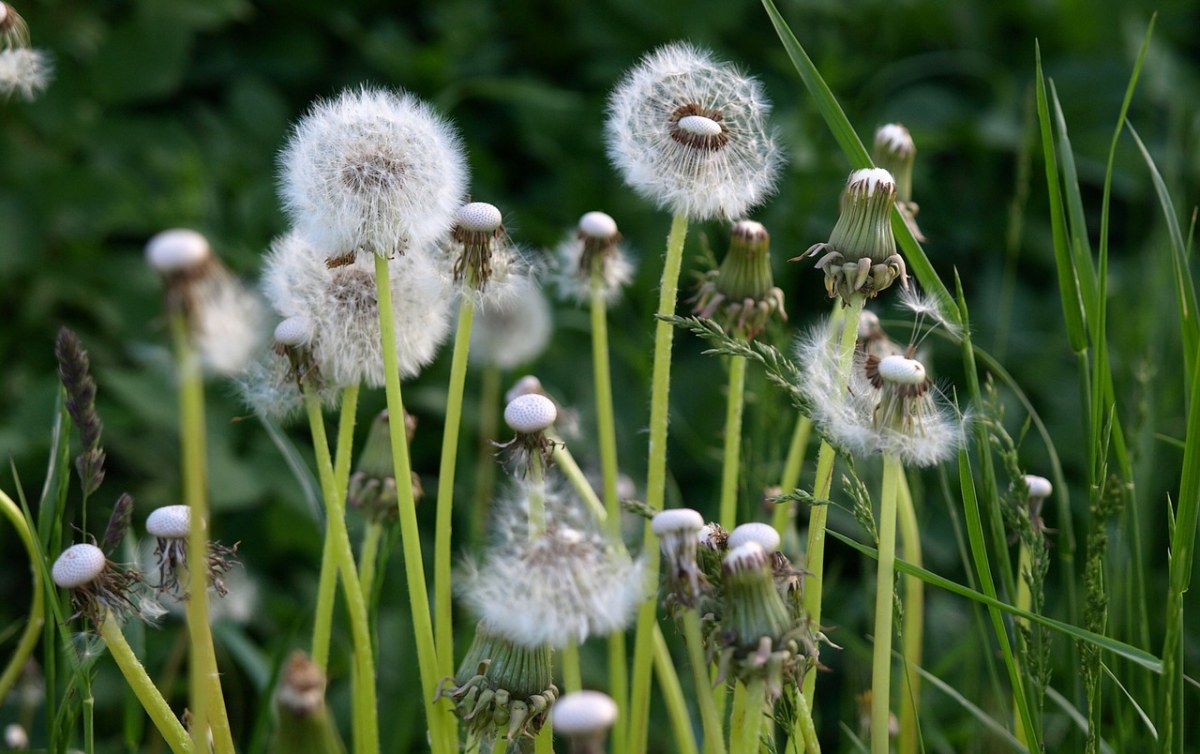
x=585, y=718
x=591, y=258
x=305, y=726
x=711, y=541
x=677, y=530
x=97, y=585
x=169, y=525
x=741, y=295
x=764, y=535
x=894, y=151
x=373, y=483
x=860, y=256
x=530, y=414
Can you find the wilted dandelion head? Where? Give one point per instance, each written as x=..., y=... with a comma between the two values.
x=591, y=256
x=99, y=587
x=567, y=584
x=689, y=133
x=514, y=329
x=372, y=170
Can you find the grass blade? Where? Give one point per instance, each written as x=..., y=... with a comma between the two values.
x=1081, y=248
x=1137, y=707
x=984, y=718
x=1080, y=721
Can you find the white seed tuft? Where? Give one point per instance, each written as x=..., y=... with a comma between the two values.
x=584, y=713
x=677, y=521
x=530, y=413
x=525, y=386
x=478, y=217
x=764, y=535
x=15, y=737
x=78, y=565
x=169, y=522
x=748, y=557
x=3, y=12
x=177, y=250
x=513, y=323
x=707, y=536
x=1039, y=486
x=598, y=225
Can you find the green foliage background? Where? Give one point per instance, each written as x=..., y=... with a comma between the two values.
x=166, y=114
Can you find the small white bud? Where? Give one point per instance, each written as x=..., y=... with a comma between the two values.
x=584, y=713
x=899, y=370
x=177, y=250
x=169, y=522
x=895, y=138
x=677, y=521
x=294, y=331
x=598, y=225
x=78, y=565
x=478, y=217
x=528, y=414
x=1039, y=486
x=764, y=535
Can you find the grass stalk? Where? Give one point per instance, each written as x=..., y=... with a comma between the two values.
x=913, y=627
x=881, y=662
x=746, y=724
x=570, y=469
x=656, y=479
x=441, y=728
x=710, y=719
x=443, y=607
x=731, y=459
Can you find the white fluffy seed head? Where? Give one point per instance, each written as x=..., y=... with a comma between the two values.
x=1039, y=486
x=899, y=370
x=78, y=565
x=677, y=521
x=530, y=413
x=169, y=522
x=584, y=713
x=25, y=72
x=513, y=328
x=478, y=217
x=294, y=331
x=598, y=225
x=748, y=557
x=708, y=536
x=869, y=180
x=688, y=132
x=764, y=535
x=177, y=250
x=372, y=170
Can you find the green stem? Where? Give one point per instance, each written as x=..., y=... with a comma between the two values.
x=485, y=464
x=368, y=558
x=804, y=735
x=783, y=517
x=881, y=663
x=710, y=719
x=733, y=442
x=366, y=733
x=1024, y=601
x=672, y=691
x=913, y=629
x=656, y=479
x=618, y=688
x=537, y=497
x=37, y=610
x=572, y=671
x=815, y=554
x=442, y=730
x=746, y=724
x=544, y=744
x=144, y=689
x=326, y=591
x=443, y=606
x=570, y=469
x=207, y=701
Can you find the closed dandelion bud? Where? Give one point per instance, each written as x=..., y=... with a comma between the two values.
x=23, y=71
x=98, y=586
x=513, y=327
x=592, y=258
x=741, y=295
x=169, y=525
x=373, y=484
x=677, y=530
x=860, y=256
x=895, y=152
x=305, y=726
x=584, y=718
x=689, y=134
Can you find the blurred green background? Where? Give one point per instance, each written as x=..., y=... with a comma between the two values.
x=166, y=114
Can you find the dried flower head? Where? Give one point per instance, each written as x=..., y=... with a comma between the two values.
x=677, y=530
x=305, y=724
x=169, y=525
x=741, y=295
x=372, y=171
x=100, y=587
x=591, y=258
x=585, y=717
x=895, y=152
x=512, y=329
x=860, y=256
x=689, y=133
x=373, y=483
x=74, y=370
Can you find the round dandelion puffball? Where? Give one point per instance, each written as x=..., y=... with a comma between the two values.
x=676, y=520
x=899, y=370
x=169, y=522
x=584, y=713
x=1039, y=486
x=598, y=225
x=530, y=413
x=689, y=133
x=372, y=170
x=177, y=250
x=78, y=565
x=764, y=535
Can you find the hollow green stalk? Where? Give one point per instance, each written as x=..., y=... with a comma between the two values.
x=913, y=628
x=368, y=557
x=442, y=728
x=572, y=670
x=656, y=480
x=443, y=607
x=710, y=719
x=733, y=442
x=815, y=554
x=485, y=464
x=144, y=689
x=804, y=733
x=207, y=702
x=672, y=691
x=366, y=733
x=746, y=724
x=544, y=744
x=37, y=608
x=881, y=662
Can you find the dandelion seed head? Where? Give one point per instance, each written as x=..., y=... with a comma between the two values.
x=25, y=72
x=294, y=331
x=78, y=565
x=478, y=217
x=689, y=133
x=268, y=387
x=925, y=307
x=15, y=737
x=1039, y=486
x=169, y=522
x=228, y=326
x=598, y=225
x=530, y=414
x=592, y=254
x=372, y=170
x=899, y=370
x=764, y=535
x=177, y=250
x=679, y=521
x=512, y=325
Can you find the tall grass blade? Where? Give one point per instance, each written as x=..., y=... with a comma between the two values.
x=1081, y=247
x=1141, y=713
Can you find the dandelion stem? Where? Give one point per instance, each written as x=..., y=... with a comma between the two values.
x=537, y=497
x=672, y=691
x=144, y=689
x=570, y=469
x=815, y=554
x=367, y=559
x=804, y=732
x=366, y=728
x=572, y=670
x=443, y=607
x=710, y=719
x=37, y=609
x=442, y=730
x=881, y=662
x=656, y=479
x=913, y=629
x=746, y=723
x=1024, y=600
x=733, y=441
x=207, y=702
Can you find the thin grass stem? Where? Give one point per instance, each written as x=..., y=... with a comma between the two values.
x=783, y=517
x=731, y=459
x=570, y=469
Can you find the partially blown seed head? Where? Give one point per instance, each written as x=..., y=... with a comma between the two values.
x=78, y=565
x=169, y=522
x=530, y=414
